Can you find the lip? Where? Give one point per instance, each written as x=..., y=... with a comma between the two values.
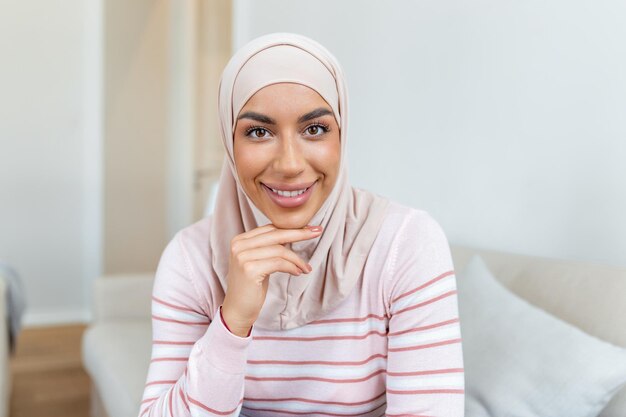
x=290, y=202
x=289, y=187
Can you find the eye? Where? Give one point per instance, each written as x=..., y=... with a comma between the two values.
x=314, y=130
x=257, y=132
x=317, y=129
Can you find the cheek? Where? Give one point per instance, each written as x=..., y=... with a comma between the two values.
x=247, y=162
x=327, y=157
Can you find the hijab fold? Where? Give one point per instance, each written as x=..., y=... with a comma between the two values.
x=351, y=217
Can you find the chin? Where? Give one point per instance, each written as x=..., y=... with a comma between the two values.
x=290, y=221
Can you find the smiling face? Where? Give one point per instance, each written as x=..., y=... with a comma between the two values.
x=287, y=152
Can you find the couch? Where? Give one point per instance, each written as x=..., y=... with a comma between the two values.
x=116, y=346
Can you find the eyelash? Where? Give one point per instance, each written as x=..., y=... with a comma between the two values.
x=324, y=126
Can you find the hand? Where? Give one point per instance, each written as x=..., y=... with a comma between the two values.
x=254, y=255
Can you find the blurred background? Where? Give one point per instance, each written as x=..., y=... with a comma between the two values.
x=506, y=120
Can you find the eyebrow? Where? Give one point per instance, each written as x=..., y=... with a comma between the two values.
x=314, y=114
x=261, y=118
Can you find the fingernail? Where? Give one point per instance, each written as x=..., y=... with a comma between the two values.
x=310, y=267
x=314, y=228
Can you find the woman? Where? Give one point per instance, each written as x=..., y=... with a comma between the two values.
x=301, y=295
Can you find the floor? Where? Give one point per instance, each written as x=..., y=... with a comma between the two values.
x=48, y=378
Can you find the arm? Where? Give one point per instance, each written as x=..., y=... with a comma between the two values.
x=197, y=365
x=425, y=363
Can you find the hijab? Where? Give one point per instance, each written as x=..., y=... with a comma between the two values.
x=350, y=217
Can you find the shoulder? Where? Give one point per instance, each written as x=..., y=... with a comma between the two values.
x=187, y=247
x=410, y=228
x=198, y=231
x=188, y=250
x=415, y=246
x=194, y=238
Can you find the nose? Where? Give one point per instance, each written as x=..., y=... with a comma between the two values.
x=289, y=161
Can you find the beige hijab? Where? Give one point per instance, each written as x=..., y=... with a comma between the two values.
x=351, y=217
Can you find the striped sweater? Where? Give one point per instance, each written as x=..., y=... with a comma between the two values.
x=392, y=348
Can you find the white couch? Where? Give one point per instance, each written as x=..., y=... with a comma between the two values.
x=5, y=371
x=116, y=347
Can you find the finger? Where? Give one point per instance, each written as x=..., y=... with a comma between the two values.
x=268, y=266
x=256, y=231
x=278, y=237
x=274, y=251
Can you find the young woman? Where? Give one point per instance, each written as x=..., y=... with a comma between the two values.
x=301, y=295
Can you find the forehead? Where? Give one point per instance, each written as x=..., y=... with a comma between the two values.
x=285, y=99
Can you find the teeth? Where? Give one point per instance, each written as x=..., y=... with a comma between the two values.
x=288, y=193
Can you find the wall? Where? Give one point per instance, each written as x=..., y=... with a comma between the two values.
x=214, y=49
x=136, y=84
x=42, y=164
x=83, y=139
x=200, y=46
x=504, y=119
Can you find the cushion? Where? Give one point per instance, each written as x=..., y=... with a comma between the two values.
x=521, y=361
x=116, y=355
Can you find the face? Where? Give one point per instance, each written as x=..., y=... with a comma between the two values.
x=287, y=151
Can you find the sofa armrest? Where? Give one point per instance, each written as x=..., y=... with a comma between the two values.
x=123, y=296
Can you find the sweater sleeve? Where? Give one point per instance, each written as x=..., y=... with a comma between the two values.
x=425, y=374
x=197, y=365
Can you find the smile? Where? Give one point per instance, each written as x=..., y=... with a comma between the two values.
x=289, y=198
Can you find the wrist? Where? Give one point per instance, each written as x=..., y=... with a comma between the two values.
x=234, y=326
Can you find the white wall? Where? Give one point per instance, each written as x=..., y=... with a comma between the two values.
x=135, y=130
x=48, y=230
x=504, y=119
x=85, y=88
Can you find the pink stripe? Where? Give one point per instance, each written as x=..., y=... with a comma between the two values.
x=160, y=382
x=314, y=339
x=211, y=410
x=169, y=360
x=430, y=372
x=165, y=342
x=422, y=304
x=349, y=320
x=432, y=281
x=338, y=363
x=428, y=327
x=145, y=411
x=149, y=407
x=314, y=378
x=308, y=413
x=165, y=303
x=427, y=391
x=182, y=397
x=307, y=400
x=203, y=323
x=430, y=345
